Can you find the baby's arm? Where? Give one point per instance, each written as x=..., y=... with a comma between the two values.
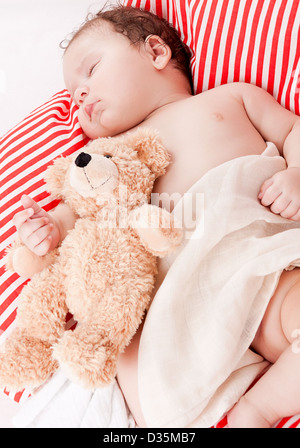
x=41, y=231
x=276, y=124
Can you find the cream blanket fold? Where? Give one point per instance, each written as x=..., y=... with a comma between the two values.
x=194, y=361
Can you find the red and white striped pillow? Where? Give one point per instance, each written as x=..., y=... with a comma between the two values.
x=256, y=41
x=25, y=152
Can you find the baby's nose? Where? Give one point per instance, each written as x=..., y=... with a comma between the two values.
x=79, y=95
x=82, y=160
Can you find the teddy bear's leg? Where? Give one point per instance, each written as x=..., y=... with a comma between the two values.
x=42, y=308
x=27, y=357
x=87, y=355
x=27, y=361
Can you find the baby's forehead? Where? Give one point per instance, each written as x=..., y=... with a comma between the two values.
x=91, y=32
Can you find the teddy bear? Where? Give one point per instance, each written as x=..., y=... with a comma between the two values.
x=103, y=272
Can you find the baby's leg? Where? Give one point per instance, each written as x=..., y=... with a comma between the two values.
x=277, y=393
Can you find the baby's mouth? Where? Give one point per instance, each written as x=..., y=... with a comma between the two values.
x=89, y=109
x=90, y=183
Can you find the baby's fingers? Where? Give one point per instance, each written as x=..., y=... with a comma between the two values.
x=264, y=188
x=29, y=203
x=21, y=217
x=292, y=211
x=269, y=195
x=40, y=240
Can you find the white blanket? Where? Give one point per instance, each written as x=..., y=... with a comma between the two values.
x=194, y=361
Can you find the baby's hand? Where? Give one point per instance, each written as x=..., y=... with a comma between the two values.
x=282, y=193
x=36, y=228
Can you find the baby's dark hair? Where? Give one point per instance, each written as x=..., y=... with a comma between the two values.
x=137, y=24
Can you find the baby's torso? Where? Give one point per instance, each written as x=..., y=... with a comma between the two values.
x=202, y=132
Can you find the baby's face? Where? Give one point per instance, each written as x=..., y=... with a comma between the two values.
x=110, y=80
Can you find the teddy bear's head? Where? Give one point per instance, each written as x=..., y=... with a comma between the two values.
x=125, y=166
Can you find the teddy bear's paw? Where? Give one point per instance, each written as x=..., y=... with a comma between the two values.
x=86, y=357
x=26, y=363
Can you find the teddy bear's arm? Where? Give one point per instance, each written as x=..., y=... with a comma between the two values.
x=158, y=231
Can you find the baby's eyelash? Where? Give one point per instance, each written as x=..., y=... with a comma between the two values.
x=92, y=68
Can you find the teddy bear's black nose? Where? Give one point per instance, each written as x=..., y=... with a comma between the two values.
x=82, y=160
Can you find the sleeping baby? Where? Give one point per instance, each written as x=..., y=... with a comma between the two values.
x=126, y=68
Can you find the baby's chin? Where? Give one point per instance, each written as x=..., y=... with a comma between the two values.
x=92, y=130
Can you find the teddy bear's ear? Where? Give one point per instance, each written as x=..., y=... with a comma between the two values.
x=150, y=150
x=55, y=176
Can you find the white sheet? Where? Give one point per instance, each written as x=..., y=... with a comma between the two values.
x=62, y=404
x=30, y=57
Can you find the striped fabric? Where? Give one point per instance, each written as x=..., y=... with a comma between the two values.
x=254, y=41
x=25, y=152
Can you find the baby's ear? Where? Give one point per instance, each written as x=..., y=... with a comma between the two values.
x=151, y=152
x=55, y=176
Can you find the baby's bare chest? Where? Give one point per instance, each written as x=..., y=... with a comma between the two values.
x=201, y=135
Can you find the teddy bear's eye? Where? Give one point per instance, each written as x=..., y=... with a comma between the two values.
x=108, y=156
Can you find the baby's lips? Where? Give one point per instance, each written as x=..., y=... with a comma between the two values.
x=89, y=109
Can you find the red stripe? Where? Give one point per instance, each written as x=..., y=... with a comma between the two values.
x=274, y=48
x=222, y=423
x=182, y=24
x=13, y=296
x=228, y=44
x=288, y=92
x=18, y=396
x=63, y=113
x=35, y=149
x=286, y=49
x=158, y=8
x=263, y=40
x=237, y=65
x=205, y=41
x=282, y=422
x=7, y=323
x=57, y=108
x=33, y=187
x=53, y=119
x=216, y=48
x=252, y=41
x=40, y=157
x=65, y=97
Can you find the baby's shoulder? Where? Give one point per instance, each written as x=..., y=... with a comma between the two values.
x=233, y=89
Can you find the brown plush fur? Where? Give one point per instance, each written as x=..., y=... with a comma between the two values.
x=103, y=272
